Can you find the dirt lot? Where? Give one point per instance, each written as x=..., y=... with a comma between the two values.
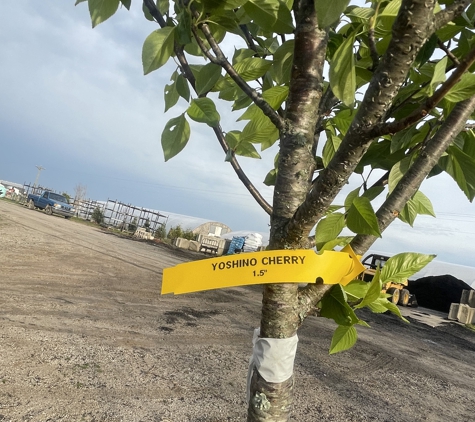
x=86, y=336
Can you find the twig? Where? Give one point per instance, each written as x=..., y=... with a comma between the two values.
x=442, y=46
x=429, y=104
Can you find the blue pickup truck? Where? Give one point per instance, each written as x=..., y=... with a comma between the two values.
x=52, y=203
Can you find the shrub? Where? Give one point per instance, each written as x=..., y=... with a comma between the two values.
x=161, y=232
x=177, y=231
x=133, y=225
x=146, y=225
x=97, y=215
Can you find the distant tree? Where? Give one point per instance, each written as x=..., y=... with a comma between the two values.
x=80, y=192
x=177, y=231
x=161, y=232
x=133, y=225
x=188, y=234
x=68, y=197
x=146, y=225
x=393, y=111
x=97, y=215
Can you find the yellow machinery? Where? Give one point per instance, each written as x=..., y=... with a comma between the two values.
x=400, y=295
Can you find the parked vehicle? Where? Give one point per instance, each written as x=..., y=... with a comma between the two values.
x=400, y=295
x=52, y=203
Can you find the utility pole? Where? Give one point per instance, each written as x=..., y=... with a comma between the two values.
x=38, y=174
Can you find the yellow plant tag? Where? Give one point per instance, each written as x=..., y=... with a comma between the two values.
x=281, y=266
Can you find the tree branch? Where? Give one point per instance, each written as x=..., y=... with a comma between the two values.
x=450, y=13
x=248, y=37
x=443, y=47
x=429, y=104
x=217, y=130
x=309, y=296
x=408, y=36
x=240, y=82
x=240, y=173
x=424, y=163
x=371, y=40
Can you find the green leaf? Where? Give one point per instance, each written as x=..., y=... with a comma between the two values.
x=270, y=178
x=379, y=306
x=101, y=10
x=469, y=143
x=282, y=64
x=343, y=338
x=171, y=96
x=163, y=6
x=463, y=89
x=332, y=244
x=241, y=54
x=361, y=218
x=373, y=192
x=329, y=12
x=343, y=119
x=252, y=112
x=426, y=51
x=241, y=102
x=126, y=3
x=423, y=204
x=330, y=227
x=270, y=15
x=233, y=138
x=386, y=18
x=157, y=49
x=409, y=213
x=260, y=130
x=360, y=14
x=400, y=267
x=374, y=291
x=244, y=149
x=331, y=145
x=252, y=68
x=220, y=5
x=79, y=1
x=391, y=307
x=146, y=13
x=462, y=169
x=357, y=288
x=342, y=72
x=439, y=74
x=203, y=110
x=397, y=171
x=276, y=95
x=207, y=77
x=402, y=140
x=182, y=87
x=449, y=31
x=334, y=307
x=183, y=28
x=175, y=136
x=351, y=197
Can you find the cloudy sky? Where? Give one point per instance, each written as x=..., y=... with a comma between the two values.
x=74, y=100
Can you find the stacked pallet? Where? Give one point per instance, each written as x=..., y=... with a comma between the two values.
x=464, y=311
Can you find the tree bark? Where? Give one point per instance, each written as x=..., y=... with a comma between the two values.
x=280, y=319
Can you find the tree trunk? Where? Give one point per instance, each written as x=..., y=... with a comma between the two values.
x=270, y=401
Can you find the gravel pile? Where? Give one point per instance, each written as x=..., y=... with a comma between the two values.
x=438, y=292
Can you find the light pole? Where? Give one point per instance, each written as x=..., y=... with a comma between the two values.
x=38, y=174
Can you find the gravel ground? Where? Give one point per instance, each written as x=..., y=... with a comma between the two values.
x=86, y=336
